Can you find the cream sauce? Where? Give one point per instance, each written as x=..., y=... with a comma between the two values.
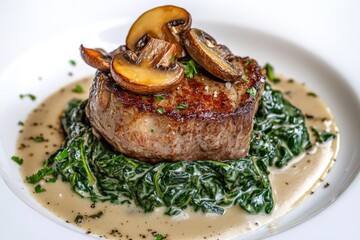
x=290, y=185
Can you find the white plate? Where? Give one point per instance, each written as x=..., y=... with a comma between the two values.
x=22, y=76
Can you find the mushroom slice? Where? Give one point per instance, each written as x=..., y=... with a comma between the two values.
x=150, y=72
x=120, y=49
x=210, y=55
x=96, y=58
x=157, y=53
x=165, y=23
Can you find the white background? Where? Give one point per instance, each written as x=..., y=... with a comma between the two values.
x=329, y=29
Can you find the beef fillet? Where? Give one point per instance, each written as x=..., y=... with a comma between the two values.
x=201, y=119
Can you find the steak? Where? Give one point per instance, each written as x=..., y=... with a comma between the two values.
x=201, y=119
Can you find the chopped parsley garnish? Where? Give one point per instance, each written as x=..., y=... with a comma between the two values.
x=72, y=62
x=311, y=94
x=252, y=92
x=247, y=63
x=29, y=95
x=159, y=237
x=269, y=71
x=39, y=139
x=160, y=110
x=159, y=97
x=246, y=70
x=39, y=189
x=322, y=136
x=17, y=159
x=182, y=106
x=190, y=68
x=245, y=79
x=37, y=177
x=21, y=123
x=270, y=74
x=152, y=130
x=78, y=89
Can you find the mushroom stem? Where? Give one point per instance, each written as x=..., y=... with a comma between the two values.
x=157, y=53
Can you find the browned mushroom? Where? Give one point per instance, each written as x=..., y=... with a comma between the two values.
x=210, y=55
x=165, y=22
x=120, y=49
x=96, y=58
x=151, y=71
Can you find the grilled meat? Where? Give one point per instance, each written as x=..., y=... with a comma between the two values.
x=201, y=119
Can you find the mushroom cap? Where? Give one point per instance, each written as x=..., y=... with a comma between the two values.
x=96, y=58
x=211, y=55
x=151, y=71
x=165, y=23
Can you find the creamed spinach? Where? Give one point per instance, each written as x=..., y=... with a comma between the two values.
x=96, y=171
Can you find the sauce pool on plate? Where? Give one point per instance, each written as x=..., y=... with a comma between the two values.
x=290, y=185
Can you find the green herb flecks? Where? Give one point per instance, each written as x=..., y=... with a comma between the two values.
x=270, y=73
x=322, y=136
x=245, y=79
x=39, y=189
x=182, y=106
x=39, y=175
x=252, y=92
x=78, y=89
x=311, y=94
x=160, y=110
x=276, y=80
x=159, y=98
x=20, y=123
x=191, y=69
x=159, y=237
x=17, y=159
x=72, y=62
x=29, y=95
x=39, y=139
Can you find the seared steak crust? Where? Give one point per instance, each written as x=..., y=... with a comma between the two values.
x=200, y=119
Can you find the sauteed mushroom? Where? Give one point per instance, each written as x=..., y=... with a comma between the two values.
x=165, y=23
x=96, y=58
x=210, y=55
x=151, y=71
